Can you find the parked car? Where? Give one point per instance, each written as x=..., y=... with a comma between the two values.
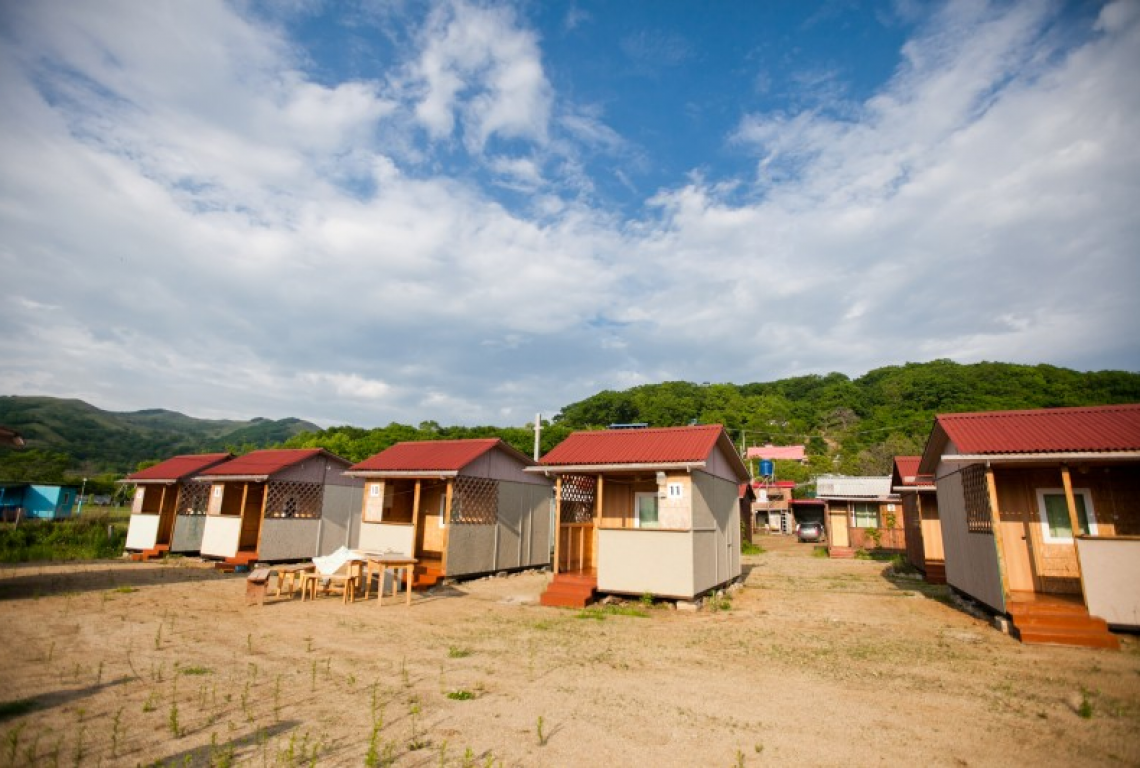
x=809, y=531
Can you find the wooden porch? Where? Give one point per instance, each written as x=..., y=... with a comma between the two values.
x=571, y=589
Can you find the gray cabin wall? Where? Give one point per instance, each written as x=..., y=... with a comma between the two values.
x=188, y=531
x=519, y=539
x=971, y=558
x=716, y=545
x=340, y=517
x=497, y=464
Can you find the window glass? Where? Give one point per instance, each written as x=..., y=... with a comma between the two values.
x=866, y=515
x=646, y=510
x=1057, y=514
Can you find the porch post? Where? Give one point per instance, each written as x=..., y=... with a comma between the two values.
x=415, y=516
x=1074, y=525
x=598, y=516
x=447, y=524
x=557, y=522
x=995, y=523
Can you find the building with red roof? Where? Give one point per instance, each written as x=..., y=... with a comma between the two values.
x=460, y=507
x=921, y=524
x=1040, y=514
x=644, y=511
x=169, y=506
x=279, y=504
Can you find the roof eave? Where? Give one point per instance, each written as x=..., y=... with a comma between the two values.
x=395, y=474
x=968, y=458
x=233, y=478
x=565, y=469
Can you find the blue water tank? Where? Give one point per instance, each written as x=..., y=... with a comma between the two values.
x=767, y=467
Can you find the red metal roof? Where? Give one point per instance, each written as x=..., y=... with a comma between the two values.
x=665, y=445
x=431, y=456
x=788, y=452
x=1049, y=430
x=265, y=462
x=906, y=469
x=178, y=467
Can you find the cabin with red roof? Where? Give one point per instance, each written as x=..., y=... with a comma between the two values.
x=279, y=504
x=168, y=512
x=463, y=508
x=644, y=511
x=1040, y=515
x=921, y=525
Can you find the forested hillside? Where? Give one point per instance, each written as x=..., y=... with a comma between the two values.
x=851, y=426
x=73, y=438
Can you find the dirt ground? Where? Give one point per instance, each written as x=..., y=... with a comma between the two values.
x=816, y=662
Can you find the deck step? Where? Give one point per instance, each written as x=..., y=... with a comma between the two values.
x=426, y=576
x=841, y=553
x=935, y=572
x=229, y=564
x=1059, y=623
x=150, y=554
x=570, y=590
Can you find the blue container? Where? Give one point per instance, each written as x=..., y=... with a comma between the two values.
x=767, y=467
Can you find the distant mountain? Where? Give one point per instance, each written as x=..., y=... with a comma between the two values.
x=105, y=441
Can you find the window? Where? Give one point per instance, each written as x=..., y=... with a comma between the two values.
x=866, y=515
x=442, y=510
x=645, y=510
x=1055, y=526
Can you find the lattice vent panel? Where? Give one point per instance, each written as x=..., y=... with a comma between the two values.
x=475, y=501
x=292, y=499
x=977, y=498
x=578, y=494
x=193, y=498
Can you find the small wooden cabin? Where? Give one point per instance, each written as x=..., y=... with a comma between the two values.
x=921, y=525
x=461, y=507
x=168, y=511
x=644, y=511
x=862, y=514
x=279, y=504
x=1014, y=487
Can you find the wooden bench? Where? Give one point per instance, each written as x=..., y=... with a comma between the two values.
x=255, y=586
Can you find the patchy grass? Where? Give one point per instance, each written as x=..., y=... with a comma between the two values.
x=748, y=548
x=600, y=612
x=80, y=538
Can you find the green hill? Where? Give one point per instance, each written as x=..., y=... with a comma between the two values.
x=97, y=441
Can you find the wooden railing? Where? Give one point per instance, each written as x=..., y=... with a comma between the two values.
x=576, y=546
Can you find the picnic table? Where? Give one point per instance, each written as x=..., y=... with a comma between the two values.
x=380, y=563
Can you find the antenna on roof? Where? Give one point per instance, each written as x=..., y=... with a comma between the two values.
x=631, y=425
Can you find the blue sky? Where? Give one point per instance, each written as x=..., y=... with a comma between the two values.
x=469, y=212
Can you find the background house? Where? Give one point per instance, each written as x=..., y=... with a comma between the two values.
x=168, y=509
x=772, y=508
x=42, y=501
x=1040, y=515
x=922, y=526
x=462, y=507
x=862, y=513
x=644, y=511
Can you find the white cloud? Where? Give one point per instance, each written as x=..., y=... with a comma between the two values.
x=478, y=63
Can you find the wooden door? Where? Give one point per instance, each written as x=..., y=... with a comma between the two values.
x=1016, y=543
x=251, y=516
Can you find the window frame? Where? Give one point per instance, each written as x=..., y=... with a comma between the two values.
x=1043, y=514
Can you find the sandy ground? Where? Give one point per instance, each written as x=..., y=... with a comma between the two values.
x=817, y=662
